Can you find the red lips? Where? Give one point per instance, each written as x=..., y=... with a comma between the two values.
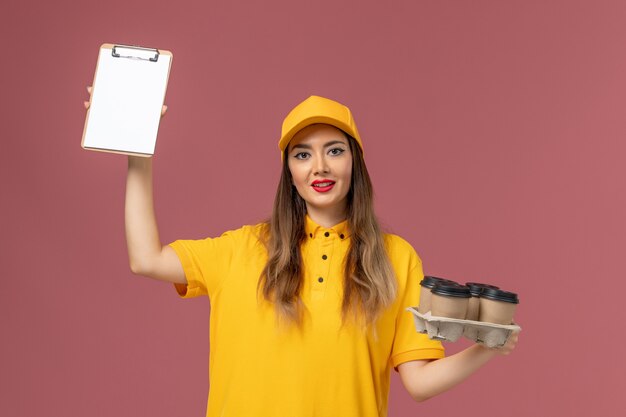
x=322, y=186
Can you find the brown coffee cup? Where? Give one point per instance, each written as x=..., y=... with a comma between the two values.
x=426, y=285
x=473, y=307
x=497, y=306
x=449, y=300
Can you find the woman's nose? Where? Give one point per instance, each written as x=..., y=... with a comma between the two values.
x=320, y=166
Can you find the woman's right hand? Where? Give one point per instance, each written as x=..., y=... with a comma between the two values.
x=88, y=103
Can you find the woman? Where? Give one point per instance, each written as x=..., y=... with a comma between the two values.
x=308, y=309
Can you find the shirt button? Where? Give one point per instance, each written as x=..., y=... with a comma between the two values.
x=320, y=279
x=311, y=235
x=326, y=234
x=324, y=257
x=341, y=236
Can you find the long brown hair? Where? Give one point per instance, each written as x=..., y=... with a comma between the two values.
x=369, y=280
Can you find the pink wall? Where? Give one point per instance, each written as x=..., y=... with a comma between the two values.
x=494, y=132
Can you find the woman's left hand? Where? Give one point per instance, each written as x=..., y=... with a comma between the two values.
x=508, y=346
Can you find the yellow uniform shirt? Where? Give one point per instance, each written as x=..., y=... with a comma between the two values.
x=260, y=368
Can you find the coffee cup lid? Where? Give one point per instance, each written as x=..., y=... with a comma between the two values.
x=499, y=295
x=476, y=287
x=451, y=289
x=430, y=281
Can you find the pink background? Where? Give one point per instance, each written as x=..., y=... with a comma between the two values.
x=494, y=133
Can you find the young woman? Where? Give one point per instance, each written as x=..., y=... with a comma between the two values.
x=307, y=309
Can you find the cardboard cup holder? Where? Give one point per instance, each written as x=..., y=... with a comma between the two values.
x=450, y=330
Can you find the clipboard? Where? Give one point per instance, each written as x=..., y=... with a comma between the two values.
x=127, y=95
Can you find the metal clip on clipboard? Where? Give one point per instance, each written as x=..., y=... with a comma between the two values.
x=135, y=52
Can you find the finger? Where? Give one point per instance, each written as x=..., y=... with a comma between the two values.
x=87, y=104
x=89, y=88
x=163, y=110
x=510, y=344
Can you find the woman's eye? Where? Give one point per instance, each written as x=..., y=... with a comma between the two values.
x=301, y=155
x=336, y=151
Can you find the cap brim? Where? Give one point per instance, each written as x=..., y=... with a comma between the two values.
x=286, y=138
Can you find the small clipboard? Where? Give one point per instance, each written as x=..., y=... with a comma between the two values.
x=126, y=100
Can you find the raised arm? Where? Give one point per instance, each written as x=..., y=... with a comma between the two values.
x=425, y=379
x=146, y=254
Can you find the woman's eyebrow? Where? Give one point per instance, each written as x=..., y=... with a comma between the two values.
x=334, y=142
x=301, y=145
x=326, y=145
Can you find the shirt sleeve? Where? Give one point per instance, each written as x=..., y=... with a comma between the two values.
x=409, y=345
x=206, y=263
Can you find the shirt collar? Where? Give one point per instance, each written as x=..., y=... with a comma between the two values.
x=314, y=230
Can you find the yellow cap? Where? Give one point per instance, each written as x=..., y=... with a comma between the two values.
x=314, y=110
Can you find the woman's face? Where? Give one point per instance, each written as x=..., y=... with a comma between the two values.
x=320, y=162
